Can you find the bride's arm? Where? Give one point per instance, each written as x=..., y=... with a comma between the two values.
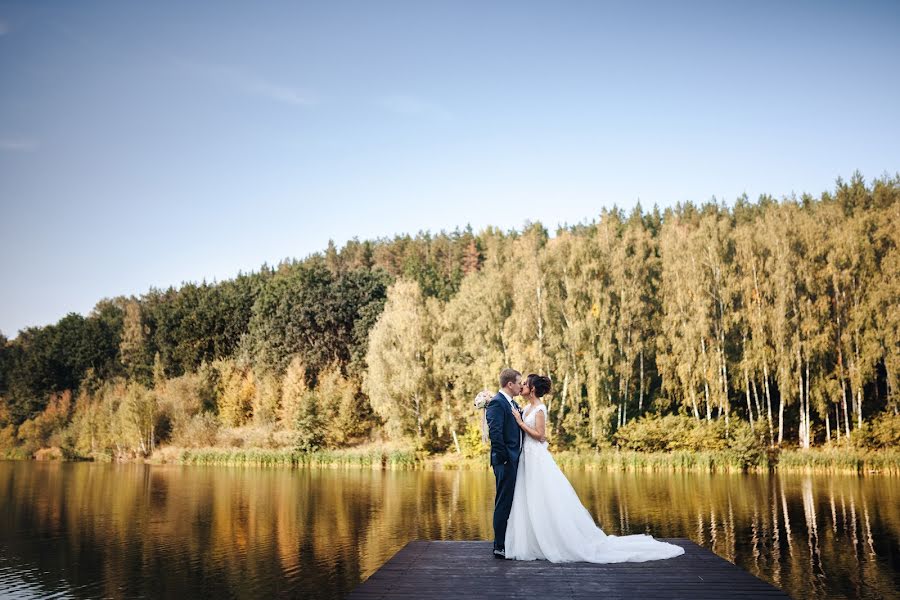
x=537, y=432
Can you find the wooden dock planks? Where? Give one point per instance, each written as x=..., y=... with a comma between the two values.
x=426, y=570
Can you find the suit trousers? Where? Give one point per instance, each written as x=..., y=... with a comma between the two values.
x=506, y=485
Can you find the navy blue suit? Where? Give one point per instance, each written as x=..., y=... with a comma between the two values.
x=506, y=444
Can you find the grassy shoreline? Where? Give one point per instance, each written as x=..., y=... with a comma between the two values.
x=827, y=460
x=374, y=457
x=819, y=460
x=853, y=461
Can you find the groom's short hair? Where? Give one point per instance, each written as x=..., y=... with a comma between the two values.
x=508, y=376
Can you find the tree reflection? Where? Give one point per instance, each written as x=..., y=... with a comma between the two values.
x=125, y=530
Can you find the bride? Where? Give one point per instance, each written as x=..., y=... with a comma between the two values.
x=547, y=520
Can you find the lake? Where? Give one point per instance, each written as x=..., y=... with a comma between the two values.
x=131, y=530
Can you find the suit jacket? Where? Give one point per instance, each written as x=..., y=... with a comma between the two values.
x=504, y=432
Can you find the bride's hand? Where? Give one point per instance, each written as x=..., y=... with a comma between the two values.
x=517, y=416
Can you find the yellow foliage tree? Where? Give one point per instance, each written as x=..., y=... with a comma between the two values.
x=238, y=388
x=400, y=379
x=340, y=409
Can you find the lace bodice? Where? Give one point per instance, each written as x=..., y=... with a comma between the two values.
x=530, y=416
x=530, y=419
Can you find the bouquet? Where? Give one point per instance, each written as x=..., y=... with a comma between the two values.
x=481, y=401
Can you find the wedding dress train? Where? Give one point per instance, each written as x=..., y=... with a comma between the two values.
x=548, y=521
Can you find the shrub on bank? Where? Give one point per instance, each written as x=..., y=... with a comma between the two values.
x=39, y=431
x=882, y=432
x=674, y=433
x=198, y=431
x=9, y=444
x=470, y=443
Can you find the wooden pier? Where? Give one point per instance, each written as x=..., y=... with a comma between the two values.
x=425, y=570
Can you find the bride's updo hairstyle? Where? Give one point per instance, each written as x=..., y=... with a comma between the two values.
x=539, y=383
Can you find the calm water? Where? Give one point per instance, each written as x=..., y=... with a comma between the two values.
x=97, y=530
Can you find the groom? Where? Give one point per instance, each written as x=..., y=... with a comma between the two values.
x=506, y=443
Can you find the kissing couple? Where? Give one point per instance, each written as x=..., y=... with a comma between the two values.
x=537, y=514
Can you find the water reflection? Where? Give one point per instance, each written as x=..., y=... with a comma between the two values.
x=88, y=530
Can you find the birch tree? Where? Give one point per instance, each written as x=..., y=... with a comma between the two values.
x=400, y=383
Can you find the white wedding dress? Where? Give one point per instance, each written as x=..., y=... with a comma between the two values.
x=547, y=520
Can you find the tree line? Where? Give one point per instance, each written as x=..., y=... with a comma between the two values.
x=780, y=316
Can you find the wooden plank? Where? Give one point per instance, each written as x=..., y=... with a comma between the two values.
x=441, y=569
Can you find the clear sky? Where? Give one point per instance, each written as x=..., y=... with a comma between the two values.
x=150, y=143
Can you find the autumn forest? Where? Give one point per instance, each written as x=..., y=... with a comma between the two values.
x=774, y=319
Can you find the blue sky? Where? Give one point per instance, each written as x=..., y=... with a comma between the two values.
x=150, y=143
